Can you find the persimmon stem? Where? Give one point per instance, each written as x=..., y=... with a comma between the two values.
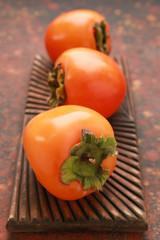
x=86, y=157
x=56, y=87
x=101, y=36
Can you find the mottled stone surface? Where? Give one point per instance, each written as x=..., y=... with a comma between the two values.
x=135, y=29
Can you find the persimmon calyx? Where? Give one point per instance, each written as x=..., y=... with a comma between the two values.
x=86, y=157
x=101, y=35
x=56, y=87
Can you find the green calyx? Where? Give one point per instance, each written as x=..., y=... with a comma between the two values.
x=86, y=157
x=56, y=87
x=101, y=36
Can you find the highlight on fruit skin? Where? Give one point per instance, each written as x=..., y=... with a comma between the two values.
x=71, y=149
x=77, y=28
x=87, y=77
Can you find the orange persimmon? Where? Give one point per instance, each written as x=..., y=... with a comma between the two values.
x=77, y=28
x=71, y=149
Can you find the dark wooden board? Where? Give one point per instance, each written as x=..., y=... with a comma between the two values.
x=120, y=207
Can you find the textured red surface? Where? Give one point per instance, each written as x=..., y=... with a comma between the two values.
x=135, y=34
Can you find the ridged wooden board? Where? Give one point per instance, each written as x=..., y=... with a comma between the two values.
x=120, y=207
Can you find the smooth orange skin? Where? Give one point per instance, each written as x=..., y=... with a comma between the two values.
x=92, y=79
x=48, y=138
x=73, y=29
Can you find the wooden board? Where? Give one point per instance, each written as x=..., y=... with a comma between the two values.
x=120, y=207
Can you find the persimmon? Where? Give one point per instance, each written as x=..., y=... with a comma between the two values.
x=89, y=78
x=77, y=28
x=71, y=149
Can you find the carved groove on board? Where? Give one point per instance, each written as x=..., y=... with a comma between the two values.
x=120, y=207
